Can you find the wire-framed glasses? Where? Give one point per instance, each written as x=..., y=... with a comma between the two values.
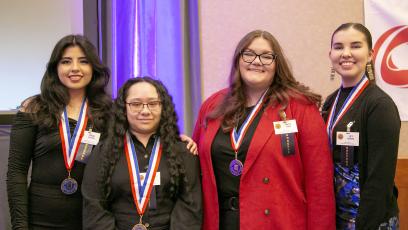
x=250, y=56
x=136, y=107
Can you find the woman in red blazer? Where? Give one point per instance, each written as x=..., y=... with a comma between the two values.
x=263, y=148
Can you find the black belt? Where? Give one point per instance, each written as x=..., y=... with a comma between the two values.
x=231, y=203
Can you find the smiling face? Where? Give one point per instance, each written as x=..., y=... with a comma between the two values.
x=146, y=121
x=349, y=55
x=74, y=70
x=255, y=75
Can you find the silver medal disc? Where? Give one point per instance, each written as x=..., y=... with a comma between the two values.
x=69, y=186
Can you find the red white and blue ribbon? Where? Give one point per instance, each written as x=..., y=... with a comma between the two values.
x=237, y=136
x=141, y=189
x=70, y=144
x=332, y=120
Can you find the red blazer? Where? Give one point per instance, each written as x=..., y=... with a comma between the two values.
x=276, y=191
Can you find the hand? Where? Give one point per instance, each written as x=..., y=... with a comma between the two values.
x=191, y=145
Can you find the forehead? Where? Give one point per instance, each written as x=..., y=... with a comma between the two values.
x=348, y=36
x=142, y=90
x=260, y=44
x=73, y=50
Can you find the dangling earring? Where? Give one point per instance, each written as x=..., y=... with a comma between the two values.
x=332, y=73
x=370, y=71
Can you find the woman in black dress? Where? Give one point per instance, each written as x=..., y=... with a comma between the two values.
x=55, y=131
x=142, y=176
x=363, y=126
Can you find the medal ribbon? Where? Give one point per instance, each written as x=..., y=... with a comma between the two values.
x=238, y=136
x=354, y=94
x=70, y=144
x=141, y=191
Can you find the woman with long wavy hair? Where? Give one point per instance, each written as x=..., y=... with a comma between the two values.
x=142, y=176
x=263, y=149
x=52, y=132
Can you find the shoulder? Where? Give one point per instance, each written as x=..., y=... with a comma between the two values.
x=216, y=97
x=330, y=99
x=373, y=92
x=377, y=99
x=184, y=153
x=299, y=101
x=30, y=104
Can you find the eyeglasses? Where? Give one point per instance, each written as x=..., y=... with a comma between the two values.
x=136, y=107
x=250, y=56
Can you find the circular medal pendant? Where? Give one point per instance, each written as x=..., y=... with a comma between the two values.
x=69, y=186
x=139, y=227
x=236, y=167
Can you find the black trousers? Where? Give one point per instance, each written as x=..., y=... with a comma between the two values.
x=229, y=219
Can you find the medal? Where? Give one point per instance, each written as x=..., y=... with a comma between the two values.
x=141, y=189
x=333, y=119
x=237, y=136
x=236, y=167
x=69, y=186
x=70, y=145
x=139, y=227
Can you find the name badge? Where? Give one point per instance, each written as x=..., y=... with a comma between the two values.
x=156, y=179
x=285, y=127
x=84, y=152
x=347, y=138
x=91, y=138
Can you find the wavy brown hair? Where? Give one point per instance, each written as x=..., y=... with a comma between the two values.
x=167, y=130
x=46, y=108
x=283, y=87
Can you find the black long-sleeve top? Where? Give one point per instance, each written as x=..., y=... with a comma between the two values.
x=41, y=204
x=119, y=211
x=222, y=154
x=377, y=120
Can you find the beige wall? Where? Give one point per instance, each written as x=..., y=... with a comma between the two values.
x=29, y=30
x=303, y=28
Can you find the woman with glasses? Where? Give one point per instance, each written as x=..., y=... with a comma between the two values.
x=363, y=126
x=263, y=149
x=142, y=176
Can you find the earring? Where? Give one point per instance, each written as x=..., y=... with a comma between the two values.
x=332, y=73
x=370, y=71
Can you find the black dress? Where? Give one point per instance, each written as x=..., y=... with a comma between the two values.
x=119, y=210
x=41, y=205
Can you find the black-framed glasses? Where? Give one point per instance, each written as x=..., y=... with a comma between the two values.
x=250, y=56
x=136, y=107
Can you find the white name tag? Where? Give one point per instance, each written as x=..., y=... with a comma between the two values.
x=347, y=138
x=284, y=127
x=156, y=179
x=91, y=138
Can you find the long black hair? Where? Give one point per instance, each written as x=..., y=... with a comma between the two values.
x=46, y=108
x=167, y=130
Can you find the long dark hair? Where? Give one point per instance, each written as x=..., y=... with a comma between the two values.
x=283, y=87
x=46, y=108
x=167, y=130
x=367, y=35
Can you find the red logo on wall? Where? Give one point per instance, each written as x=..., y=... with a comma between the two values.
x=395, y=38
